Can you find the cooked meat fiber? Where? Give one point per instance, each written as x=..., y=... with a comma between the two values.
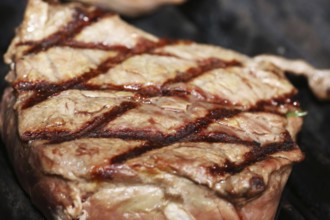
x=105, y=121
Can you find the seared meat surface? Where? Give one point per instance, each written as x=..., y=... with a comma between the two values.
x=105, y=121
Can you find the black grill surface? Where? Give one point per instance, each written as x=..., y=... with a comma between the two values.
x=294, y=29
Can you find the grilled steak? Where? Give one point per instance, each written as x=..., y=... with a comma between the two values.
x=105, y=121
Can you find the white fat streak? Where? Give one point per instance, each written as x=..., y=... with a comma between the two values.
x=84, y=215
x=174, y=212
x=76, y=208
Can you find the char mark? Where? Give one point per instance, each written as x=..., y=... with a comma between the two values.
x=188, y=129
x=288, y=99
x=129, y=134
x=204, y=66
x=257, y=153
x=81, y=19
x=253, y=156
x=45, y=90
x=99, y=46
x=90, y=127
x=220, y=138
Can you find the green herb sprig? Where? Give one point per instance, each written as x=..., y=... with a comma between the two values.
x=296, y=114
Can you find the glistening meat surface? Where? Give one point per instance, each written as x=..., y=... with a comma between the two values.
x=105, y=121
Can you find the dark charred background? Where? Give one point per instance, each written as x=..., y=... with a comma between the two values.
x=291, y=28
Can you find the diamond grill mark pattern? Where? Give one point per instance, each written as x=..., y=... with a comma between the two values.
x=257, y=153
x=90, y=126
x=81, y=19
x=186, y=130
x=187, y=133
x=45, y=90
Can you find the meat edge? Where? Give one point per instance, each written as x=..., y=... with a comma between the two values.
x=54, y=196
x=47, y=193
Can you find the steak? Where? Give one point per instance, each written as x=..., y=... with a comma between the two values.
x=104, y=121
